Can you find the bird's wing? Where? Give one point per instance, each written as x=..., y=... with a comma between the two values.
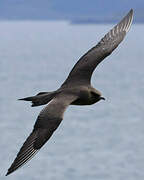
x=83, y=69
x=47, y=122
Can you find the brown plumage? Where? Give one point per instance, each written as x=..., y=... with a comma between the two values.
x=76, y=90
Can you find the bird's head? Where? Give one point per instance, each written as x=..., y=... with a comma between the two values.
x=96, y=95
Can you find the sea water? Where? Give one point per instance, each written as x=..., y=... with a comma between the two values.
x=104, y=141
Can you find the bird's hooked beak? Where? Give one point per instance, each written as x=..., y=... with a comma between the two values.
x=102, y=98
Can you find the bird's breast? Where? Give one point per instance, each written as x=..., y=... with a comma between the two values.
x=85, y=98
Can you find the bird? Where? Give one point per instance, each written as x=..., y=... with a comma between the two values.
x=76, y=90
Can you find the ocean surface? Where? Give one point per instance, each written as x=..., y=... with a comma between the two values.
x=104, y=141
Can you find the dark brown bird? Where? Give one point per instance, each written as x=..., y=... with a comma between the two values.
x=76, y=90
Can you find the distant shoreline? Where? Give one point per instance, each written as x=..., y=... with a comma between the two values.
x=74, y=21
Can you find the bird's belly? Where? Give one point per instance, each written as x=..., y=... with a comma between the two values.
x=83, y=101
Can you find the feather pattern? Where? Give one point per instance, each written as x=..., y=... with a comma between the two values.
x=83, y=69
x=47, y=122
x=26, y=152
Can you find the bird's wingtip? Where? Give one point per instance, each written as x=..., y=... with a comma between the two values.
x=7, y=174
x=131, y=12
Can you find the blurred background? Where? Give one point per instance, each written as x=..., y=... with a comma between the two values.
x=76, y=11
x=40, y=41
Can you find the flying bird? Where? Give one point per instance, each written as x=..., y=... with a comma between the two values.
x=76, y=90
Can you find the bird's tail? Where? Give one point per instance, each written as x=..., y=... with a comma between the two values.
x=41, y=98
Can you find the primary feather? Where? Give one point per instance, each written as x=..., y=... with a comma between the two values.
x=83, y=69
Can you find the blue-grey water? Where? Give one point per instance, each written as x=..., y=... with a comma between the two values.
x=104, y=141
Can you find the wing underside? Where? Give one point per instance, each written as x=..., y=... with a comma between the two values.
x=83, y=69
x=47, y=122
